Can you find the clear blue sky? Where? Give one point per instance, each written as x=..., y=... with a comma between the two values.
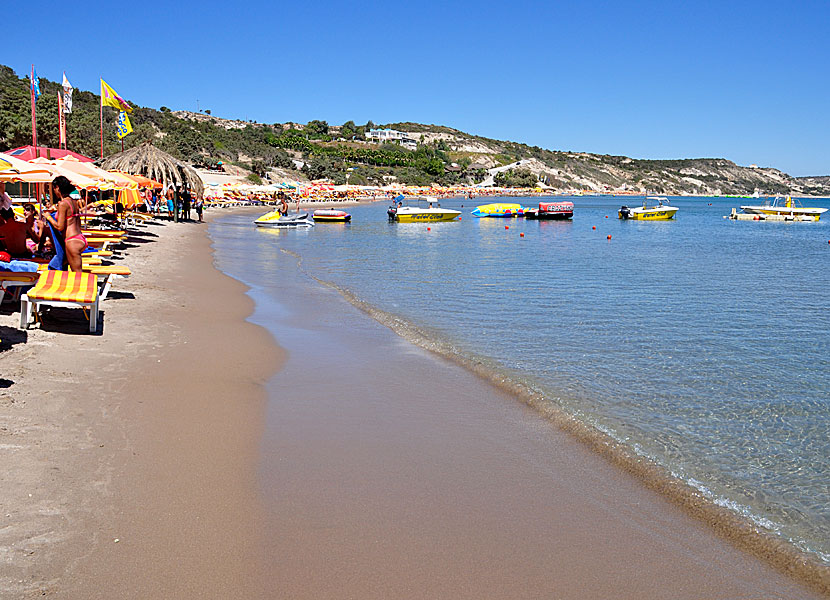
x=747, y=81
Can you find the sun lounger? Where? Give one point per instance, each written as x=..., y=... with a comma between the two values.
x=62, y=288
x=9, y=279
x=103, y=232
x=106, y=274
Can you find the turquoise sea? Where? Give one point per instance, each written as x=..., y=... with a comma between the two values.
x=701, y=343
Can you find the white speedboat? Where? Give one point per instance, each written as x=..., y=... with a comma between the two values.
x=785, y=207
x=274, y=219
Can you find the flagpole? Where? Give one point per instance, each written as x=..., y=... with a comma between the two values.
x=34, y=114
x=102, y=127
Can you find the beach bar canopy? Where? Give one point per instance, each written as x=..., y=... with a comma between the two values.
x=147, y=160
x=30, y=153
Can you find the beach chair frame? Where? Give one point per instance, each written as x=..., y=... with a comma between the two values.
x=28, y=306
x=5, y=284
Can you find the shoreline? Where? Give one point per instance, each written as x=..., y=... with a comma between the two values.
x=374, y=394
x=131, y=457
x=726, y=523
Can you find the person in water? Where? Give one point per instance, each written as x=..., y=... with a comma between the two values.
x=67, y=221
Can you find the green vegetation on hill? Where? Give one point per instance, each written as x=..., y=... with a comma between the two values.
x=341, y=153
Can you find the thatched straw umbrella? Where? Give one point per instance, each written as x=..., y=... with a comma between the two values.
x=145, y=159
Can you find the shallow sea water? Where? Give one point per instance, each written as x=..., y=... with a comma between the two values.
x=702, y=343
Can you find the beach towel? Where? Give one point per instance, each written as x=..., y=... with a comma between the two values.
x=58, y=262
x=19, y=266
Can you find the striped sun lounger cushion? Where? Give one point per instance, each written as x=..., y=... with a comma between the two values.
x=65, y=286
x=108, y=270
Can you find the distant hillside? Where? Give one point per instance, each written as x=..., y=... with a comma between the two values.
x=341, y=153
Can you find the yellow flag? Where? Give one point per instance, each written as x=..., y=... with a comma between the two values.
x=110, y=98
x=124, y=125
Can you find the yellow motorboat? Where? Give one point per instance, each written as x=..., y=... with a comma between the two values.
x=653, y=209
x=417, y=214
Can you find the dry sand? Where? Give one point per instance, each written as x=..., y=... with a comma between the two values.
x=129, y=458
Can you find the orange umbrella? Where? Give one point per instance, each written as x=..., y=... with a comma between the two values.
x=141, y=180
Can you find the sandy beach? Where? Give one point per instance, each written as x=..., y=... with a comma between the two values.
x=130, y=457
x=182, y=453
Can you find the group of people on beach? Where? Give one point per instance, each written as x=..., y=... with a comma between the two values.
x=178, y=201
x=56, y=230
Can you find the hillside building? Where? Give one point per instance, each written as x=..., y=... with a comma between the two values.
x=391, y=135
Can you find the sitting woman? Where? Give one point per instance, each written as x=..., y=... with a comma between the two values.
x=67, y=221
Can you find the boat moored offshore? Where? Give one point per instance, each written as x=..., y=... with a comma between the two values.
x=418, y=214
x=330, y=215
x=785, y=207
x=556, y=211
x=654, y=208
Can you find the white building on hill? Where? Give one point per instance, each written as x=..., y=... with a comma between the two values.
x=391, y=135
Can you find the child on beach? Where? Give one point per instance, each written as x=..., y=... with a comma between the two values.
x=199, y=205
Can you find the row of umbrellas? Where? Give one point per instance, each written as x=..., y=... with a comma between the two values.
x=82, y=174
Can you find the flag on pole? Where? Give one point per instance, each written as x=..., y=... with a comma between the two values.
x=67, y=95
x=124, y=125
x=35, y=84
x=110, y=98
x=61, y=121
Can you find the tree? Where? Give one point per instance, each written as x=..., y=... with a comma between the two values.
x=207, y=111
x=317, y=128
x=348, y=130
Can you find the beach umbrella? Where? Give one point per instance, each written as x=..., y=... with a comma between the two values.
x=15, y=164
x=140, y=180
x=112, y=180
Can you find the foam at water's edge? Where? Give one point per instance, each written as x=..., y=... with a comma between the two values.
x=727, y=518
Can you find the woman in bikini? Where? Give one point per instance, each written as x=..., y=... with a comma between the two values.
x=68, y=221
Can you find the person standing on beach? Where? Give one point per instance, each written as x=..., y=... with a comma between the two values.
x=186, y=203
x=68, y=222
x=171, y=202
x=199, y=205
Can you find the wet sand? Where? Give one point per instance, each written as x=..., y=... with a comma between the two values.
x=390, y=472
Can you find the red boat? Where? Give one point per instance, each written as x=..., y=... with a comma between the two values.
x=554, y=211
x=331, y=216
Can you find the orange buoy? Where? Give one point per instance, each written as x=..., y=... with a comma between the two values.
x=606, y=216
x=429, y=228
x=507, y=226
x=609, y=236
x=521, y=235
x=594, y=227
